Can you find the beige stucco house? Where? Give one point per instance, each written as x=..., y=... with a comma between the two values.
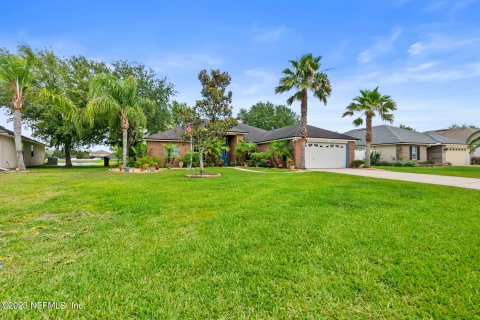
x=460, y=134
x=33, y=151
x=393, y=144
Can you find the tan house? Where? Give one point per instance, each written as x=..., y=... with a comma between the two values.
x=33, y=151
x=460, y=134
x=324, y=148
x=393, y=144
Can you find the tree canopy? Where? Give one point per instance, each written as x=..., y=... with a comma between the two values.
x=267, y=116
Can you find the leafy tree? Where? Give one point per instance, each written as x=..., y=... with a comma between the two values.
x=117, y=101
x=463, y=126
x=15, y=81
x=267, y=116
x=404, y=126
x=369, y=104
x=305, y=76
x=63, y=86
x=180, y=113
x=243, y=150
x=281, y=151
x=151, y=86
x=213, y=114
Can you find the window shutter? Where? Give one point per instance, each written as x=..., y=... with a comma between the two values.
x=418, y=152
x=410, y=152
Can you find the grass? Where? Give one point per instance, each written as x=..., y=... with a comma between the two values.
x=458, y=171
x=246, y=245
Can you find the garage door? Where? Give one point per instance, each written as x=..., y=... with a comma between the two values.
x=325, y=155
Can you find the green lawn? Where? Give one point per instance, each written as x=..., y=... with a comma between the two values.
x=469, y=172
x=246, y=245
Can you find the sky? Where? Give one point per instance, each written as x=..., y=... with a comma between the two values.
x=424, y=54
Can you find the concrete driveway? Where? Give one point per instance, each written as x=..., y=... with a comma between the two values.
x=460, y=182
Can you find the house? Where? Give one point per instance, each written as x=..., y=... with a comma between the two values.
x=99, y=154
x=393, y=144
x=324, y=149
x=460, y=134
x=33, y=151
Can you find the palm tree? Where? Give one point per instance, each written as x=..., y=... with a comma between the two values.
x=281, y=150
x=369, y=104
x=118, y=101
x=305, y=76
x=16, y=78
x=474, y=141
x=214, y=149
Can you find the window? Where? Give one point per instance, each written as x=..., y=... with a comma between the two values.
x=174, y=151
x=414, y=153
x=32, y=151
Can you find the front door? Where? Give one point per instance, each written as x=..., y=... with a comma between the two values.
x=224, y=157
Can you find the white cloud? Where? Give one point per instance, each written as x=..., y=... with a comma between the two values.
x=381, y=45
x=440, y=43
x=257, y=81
x=189, y=61
x=268, y=34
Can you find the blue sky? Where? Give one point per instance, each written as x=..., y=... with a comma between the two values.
x=425, y=54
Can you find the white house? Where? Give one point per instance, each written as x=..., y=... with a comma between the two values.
x=33, y=151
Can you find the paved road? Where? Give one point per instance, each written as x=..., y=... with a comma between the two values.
x=460, y=182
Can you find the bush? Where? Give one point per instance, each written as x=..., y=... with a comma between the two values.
x=195, y=159
x=374, y=158
x=358, y=163
x=384, y=163
x=405, y=163
x=147, y=161
x=260, y=159
x=426, y=162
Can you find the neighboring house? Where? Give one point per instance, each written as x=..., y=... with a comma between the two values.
x=99, y=154
x=324, y=149
x=458, y=133
x=394, y=144
x=33, y=151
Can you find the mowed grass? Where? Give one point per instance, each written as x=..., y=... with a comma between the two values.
x=246, y=245
x=458, y=171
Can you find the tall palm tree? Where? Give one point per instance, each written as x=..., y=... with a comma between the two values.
x=16, y=78
x=305, y=76
x=118, y=101
x=369, y=104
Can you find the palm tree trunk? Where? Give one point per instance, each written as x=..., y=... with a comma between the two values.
x=17, y=133
x=303, y=128
x=368, y=141
x=125, y=146
x=68, y=155
x=202, y=170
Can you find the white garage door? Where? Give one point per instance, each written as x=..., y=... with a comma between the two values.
x=325, y=155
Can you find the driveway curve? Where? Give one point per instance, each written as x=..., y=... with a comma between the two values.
x=469, y=183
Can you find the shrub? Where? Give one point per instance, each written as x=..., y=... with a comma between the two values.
x=358, y=163
x=259, y=159
x=374, y=158
x=195, y=159
x=147, y=161
x=405, y=163
x=384, y=163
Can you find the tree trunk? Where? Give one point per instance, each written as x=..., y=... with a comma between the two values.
x=202, y=170
x=303, y=129
x=125, y=146
x=368, y=141
x=17, y=132
x=68, y=155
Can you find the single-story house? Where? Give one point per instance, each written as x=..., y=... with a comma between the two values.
x=459, y=134
x=99, y=154
x=393, y=143
x=324, y=148
x=33, y=151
